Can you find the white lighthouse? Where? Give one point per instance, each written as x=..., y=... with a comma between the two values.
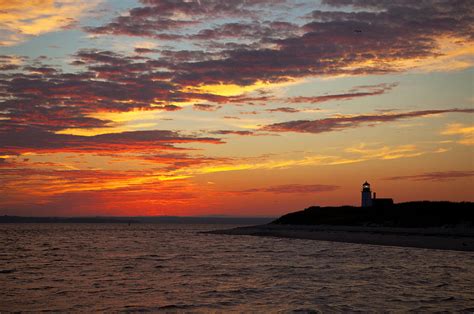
x=366, y=195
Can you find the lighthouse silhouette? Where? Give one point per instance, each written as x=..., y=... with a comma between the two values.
x=369, y=201
x=366, y=195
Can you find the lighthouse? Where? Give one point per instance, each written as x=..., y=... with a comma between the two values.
x=369, y=201
x=366, y=195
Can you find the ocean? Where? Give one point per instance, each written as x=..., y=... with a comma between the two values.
x=176, y=268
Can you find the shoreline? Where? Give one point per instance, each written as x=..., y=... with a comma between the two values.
x=457, y=239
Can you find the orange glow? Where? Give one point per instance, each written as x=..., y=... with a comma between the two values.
x=139, y=108
x=31, y=18
x=465, y=131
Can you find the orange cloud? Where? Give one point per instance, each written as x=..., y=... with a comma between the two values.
x=109, y=192
x=292, y=189
x=21, y=19
x=465, y=131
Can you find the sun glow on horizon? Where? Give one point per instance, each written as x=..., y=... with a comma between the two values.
x=135, y=106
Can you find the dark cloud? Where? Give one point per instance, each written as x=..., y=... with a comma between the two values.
x=206, y=107
x=140, y=25
x=420, y=17
x=175, y=161
x=435, y=176
x=158, y=18
x=28, y=139
x=329, y=45
x=293, y=188
x=76, y=176
x=242, y=133
x=168, y=107
x=226, y=132
x=173, y=56
x=55, y=100
x=264, y=32
x=8, y=67
x=253, y=112
x=54, y=118
x=227, y=42
x=360, y=91
x=146, y=50
x=345, y=122
x=44, y=98
x=273, y=50
x=284, y=109
x=50, y=99
x=10, y=62
x=4, y=162
x=326, y=45
x=40, y=70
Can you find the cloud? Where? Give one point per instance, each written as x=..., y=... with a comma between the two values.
x=235, y=51
x=135, y=25
x=360, y=91
x=161, y=19
x=19, y=20
x=10, y=62
x=4, y=163
x=232, y=132
x=393, y=37
x=266, y=31
x=367, y=152
x=142, y=50
x=206, y=107
x=346, y=156
x=293, y=189
x=106, y=81
x=435, y=176
x=47, y=98
x=168, y=107
x=284, y=109
x=330, y=46
x=86, y=192
x=464, y=130
x=253, y=112
x=339, y=123
x=178, y=161
x=31, y=139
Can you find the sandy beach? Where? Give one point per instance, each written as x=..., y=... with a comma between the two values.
x=458, y=239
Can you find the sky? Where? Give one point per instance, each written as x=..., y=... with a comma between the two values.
x=239, y=108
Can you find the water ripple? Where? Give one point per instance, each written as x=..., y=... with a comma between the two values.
x=169, y=268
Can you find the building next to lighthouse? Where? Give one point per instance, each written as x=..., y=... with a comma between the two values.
x=372, y=201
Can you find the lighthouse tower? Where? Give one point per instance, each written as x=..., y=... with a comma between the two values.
x=366, y=195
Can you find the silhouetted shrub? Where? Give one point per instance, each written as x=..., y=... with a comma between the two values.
x=410, y=214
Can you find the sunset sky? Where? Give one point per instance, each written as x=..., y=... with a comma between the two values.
x=242, y=107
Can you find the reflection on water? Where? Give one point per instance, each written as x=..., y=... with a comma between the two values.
x=87, y=267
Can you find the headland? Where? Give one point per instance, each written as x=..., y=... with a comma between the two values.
x=432, y=225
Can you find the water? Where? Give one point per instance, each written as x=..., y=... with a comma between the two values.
x=172, y=267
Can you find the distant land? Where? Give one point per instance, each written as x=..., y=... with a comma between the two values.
x=141, y=219
x=420, y=214
x=423, y=224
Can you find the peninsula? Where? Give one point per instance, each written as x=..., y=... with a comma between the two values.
x=423, y=224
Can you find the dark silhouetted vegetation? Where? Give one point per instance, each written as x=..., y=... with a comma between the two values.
x=411, y=214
